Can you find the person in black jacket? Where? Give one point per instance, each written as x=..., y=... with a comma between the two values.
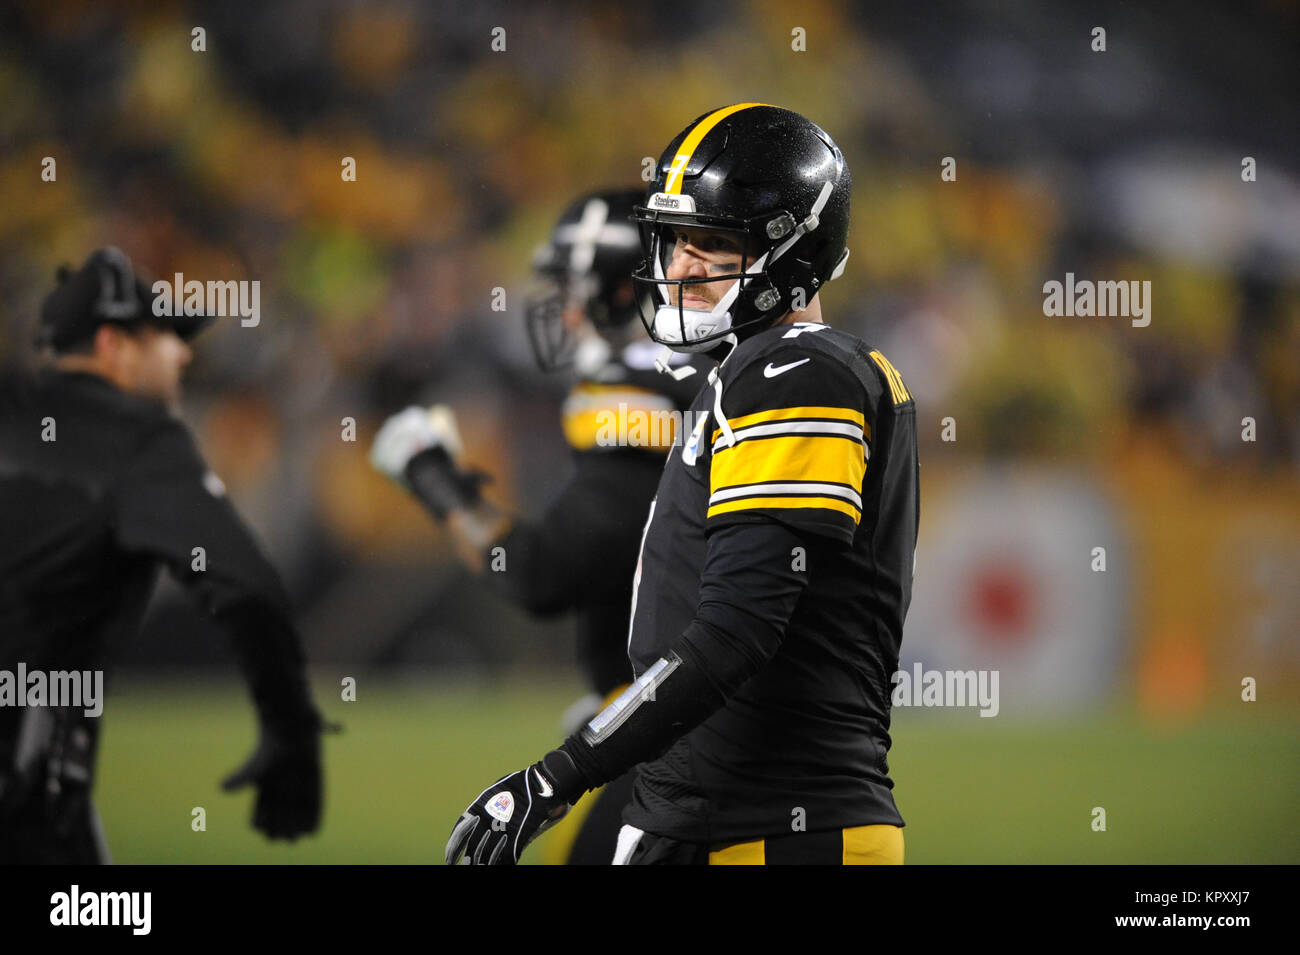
x=621, y=417
x=101, y=487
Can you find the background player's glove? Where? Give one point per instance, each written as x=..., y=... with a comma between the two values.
x=409, y=432
x=418, y=448
x=509, y=814
x=287, y=770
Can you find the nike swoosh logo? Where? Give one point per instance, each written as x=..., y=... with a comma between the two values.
x=543, y=787
x=772, y=371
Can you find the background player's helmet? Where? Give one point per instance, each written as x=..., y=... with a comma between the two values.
x=586, y=265
x=769, y=175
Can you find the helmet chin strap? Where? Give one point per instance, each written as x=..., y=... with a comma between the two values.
x=663, y=366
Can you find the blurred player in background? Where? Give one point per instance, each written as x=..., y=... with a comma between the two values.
x=581, y=556
x=776, y=568
x=100, y=487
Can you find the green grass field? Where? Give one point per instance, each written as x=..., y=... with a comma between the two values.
x=972, y=790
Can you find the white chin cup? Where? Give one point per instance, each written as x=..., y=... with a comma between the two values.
x=670, y=322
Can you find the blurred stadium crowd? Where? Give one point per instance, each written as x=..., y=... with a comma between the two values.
x=225, y=164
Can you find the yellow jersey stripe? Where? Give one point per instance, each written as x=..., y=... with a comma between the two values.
x=654, y=429
x=787, y=414
x=743, y=853
x=873, y=845
x=802, y=457
x=862, y=845
x=692, y=141
x=607, y=415
x=788, y=503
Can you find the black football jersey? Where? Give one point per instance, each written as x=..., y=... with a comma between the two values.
x=807, y=426
x=620, y=418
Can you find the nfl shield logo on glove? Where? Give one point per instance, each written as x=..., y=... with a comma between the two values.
x=501, y=806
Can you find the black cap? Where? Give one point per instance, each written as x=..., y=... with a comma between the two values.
x=104, y=289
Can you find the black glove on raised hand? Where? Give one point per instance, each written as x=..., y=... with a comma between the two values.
x=509, y=814
x=286, y=767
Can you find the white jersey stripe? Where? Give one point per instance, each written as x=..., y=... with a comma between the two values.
x=777, y=488
x=846, y=428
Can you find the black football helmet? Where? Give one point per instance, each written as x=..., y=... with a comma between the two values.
x=587, y=263
x=773, y=178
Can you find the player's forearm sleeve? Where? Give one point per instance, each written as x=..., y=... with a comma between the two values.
x=747, y=593
x=753, y=576
x=438, y=484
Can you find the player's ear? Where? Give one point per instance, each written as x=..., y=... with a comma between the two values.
x=106, y=339
x=110, y=340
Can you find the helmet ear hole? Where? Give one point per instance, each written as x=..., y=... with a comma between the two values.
x=780, y=227
x=761, y=294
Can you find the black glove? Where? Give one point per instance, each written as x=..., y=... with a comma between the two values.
x=509, y=814
x=287, y=770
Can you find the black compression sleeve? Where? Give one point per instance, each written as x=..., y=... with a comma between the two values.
x=753, y=576
x=438, y=484
x=748, y=592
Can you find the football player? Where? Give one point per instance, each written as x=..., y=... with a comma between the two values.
x=776, y=567
x=620, y=419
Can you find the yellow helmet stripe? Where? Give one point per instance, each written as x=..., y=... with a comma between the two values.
x=692, y=142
